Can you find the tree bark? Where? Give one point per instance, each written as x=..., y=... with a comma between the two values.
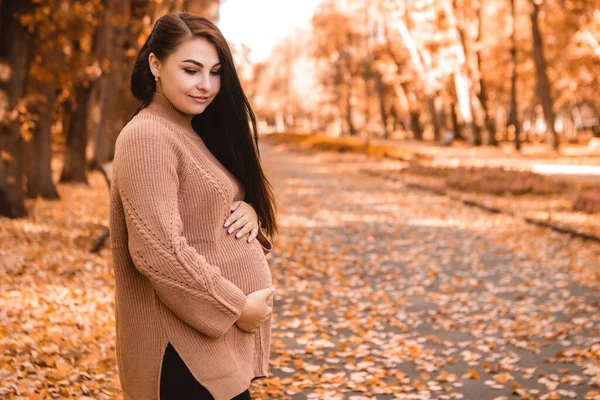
x=74, y=168
x=461, y=79
x=421, y=64
x=349, y=123
x=474, y=79
x=490, y=138
x=382, y=110
x=39, y=148
x=367, y=106
x=543, y=85
x=394, y=116
x=461, y=84
x=438, y=116
x=15, y=51
x=111, y=44
x=346, y=75
x=454, y=121
x=513, y=119
x=415, y=126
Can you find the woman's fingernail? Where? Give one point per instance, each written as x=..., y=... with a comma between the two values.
x=238, y=235
x=249, y=240
x=272, y=288
x=227, y=223
x=230, y=230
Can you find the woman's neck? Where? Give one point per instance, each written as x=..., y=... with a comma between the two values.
x=161, y=105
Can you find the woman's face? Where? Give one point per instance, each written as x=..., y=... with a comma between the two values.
x=190, y=77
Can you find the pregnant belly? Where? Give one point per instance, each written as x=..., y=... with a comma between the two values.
x=245, y=264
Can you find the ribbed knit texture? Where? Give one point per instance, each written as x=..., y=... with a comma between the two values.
x=179, y=276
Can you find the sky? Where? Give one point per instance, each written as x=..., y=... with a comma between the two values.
x=259, y=24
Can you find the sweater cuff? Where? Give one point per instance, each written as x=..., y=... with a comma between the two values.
x=234, y=299
x=231, y=295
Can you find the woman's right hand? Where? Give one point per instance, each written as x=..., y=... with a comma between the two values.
x=256, y=310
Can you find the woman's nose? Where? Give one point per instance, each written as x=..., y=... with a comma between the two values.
x=204, y=83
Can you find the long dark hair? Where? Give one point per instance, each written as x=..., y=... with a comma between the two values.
x=228, y=125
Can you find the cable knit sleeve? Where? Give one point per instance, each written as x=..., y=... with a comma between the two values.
x=147, y=171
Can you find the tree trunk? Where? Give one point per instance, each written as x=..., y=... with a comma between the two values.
x=367, y=107
x=393, y=113
x=481, y=121
x=543, y=85
x=349, y=124
x=454, y=121
x=415, y=127
x=421, y=63
x=39, y=148
x=15, y=51
x=279, y=122
x=461, y=79
x=490, y=138
x=438, y=117
x=434, y=119
x=513, y=118
x=74, y=168
x=111, y=43
x=382, y=110
x=461, y=84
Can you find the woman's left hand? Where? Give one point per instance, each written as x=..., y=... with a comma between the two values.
x=242, y=216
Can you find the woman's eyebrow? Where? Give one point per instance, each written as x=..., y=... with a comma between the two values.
x=199, y=63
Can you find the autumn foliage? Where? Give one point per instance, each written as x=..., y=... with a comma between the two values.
x=447, y=70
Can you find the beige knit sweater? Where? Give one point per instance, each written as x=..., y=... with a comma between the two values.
x=179, y=276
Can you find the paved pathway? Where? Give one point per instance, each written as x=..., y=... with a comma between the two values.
x=388, y=292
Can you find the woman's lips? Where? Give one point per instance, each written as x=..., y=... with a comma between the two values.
x=200, y=99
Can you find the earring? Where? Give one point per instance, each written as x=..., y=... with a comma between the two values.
x=156, y=78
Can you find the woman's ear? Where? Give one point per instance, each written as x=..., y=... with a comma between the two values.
x=154, y=65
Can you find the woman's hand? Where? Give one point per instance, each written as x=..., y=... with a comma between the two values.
x=256, y=310
x=242, y=216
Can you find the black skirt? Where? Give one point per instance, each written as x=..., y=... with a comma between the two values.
x=178, y=383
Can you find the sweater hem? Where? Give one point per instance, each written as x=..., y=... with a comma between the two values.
x=230, y=385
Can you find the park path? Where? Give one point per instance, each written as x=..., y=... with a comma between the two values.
x=385, y=291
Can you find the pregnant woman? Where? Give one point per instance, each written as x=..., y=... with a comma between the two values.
x=189, y=217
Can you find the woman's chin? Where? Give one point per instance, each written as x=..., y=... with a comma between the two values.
x=196, y=108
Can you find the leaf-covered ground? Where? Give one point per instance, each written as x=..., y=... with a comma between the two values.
x=383, y=292
x=561, y=190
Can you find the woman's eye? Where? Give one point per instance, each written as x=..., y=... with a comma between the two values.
x=216, y=72
x=190, y=71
